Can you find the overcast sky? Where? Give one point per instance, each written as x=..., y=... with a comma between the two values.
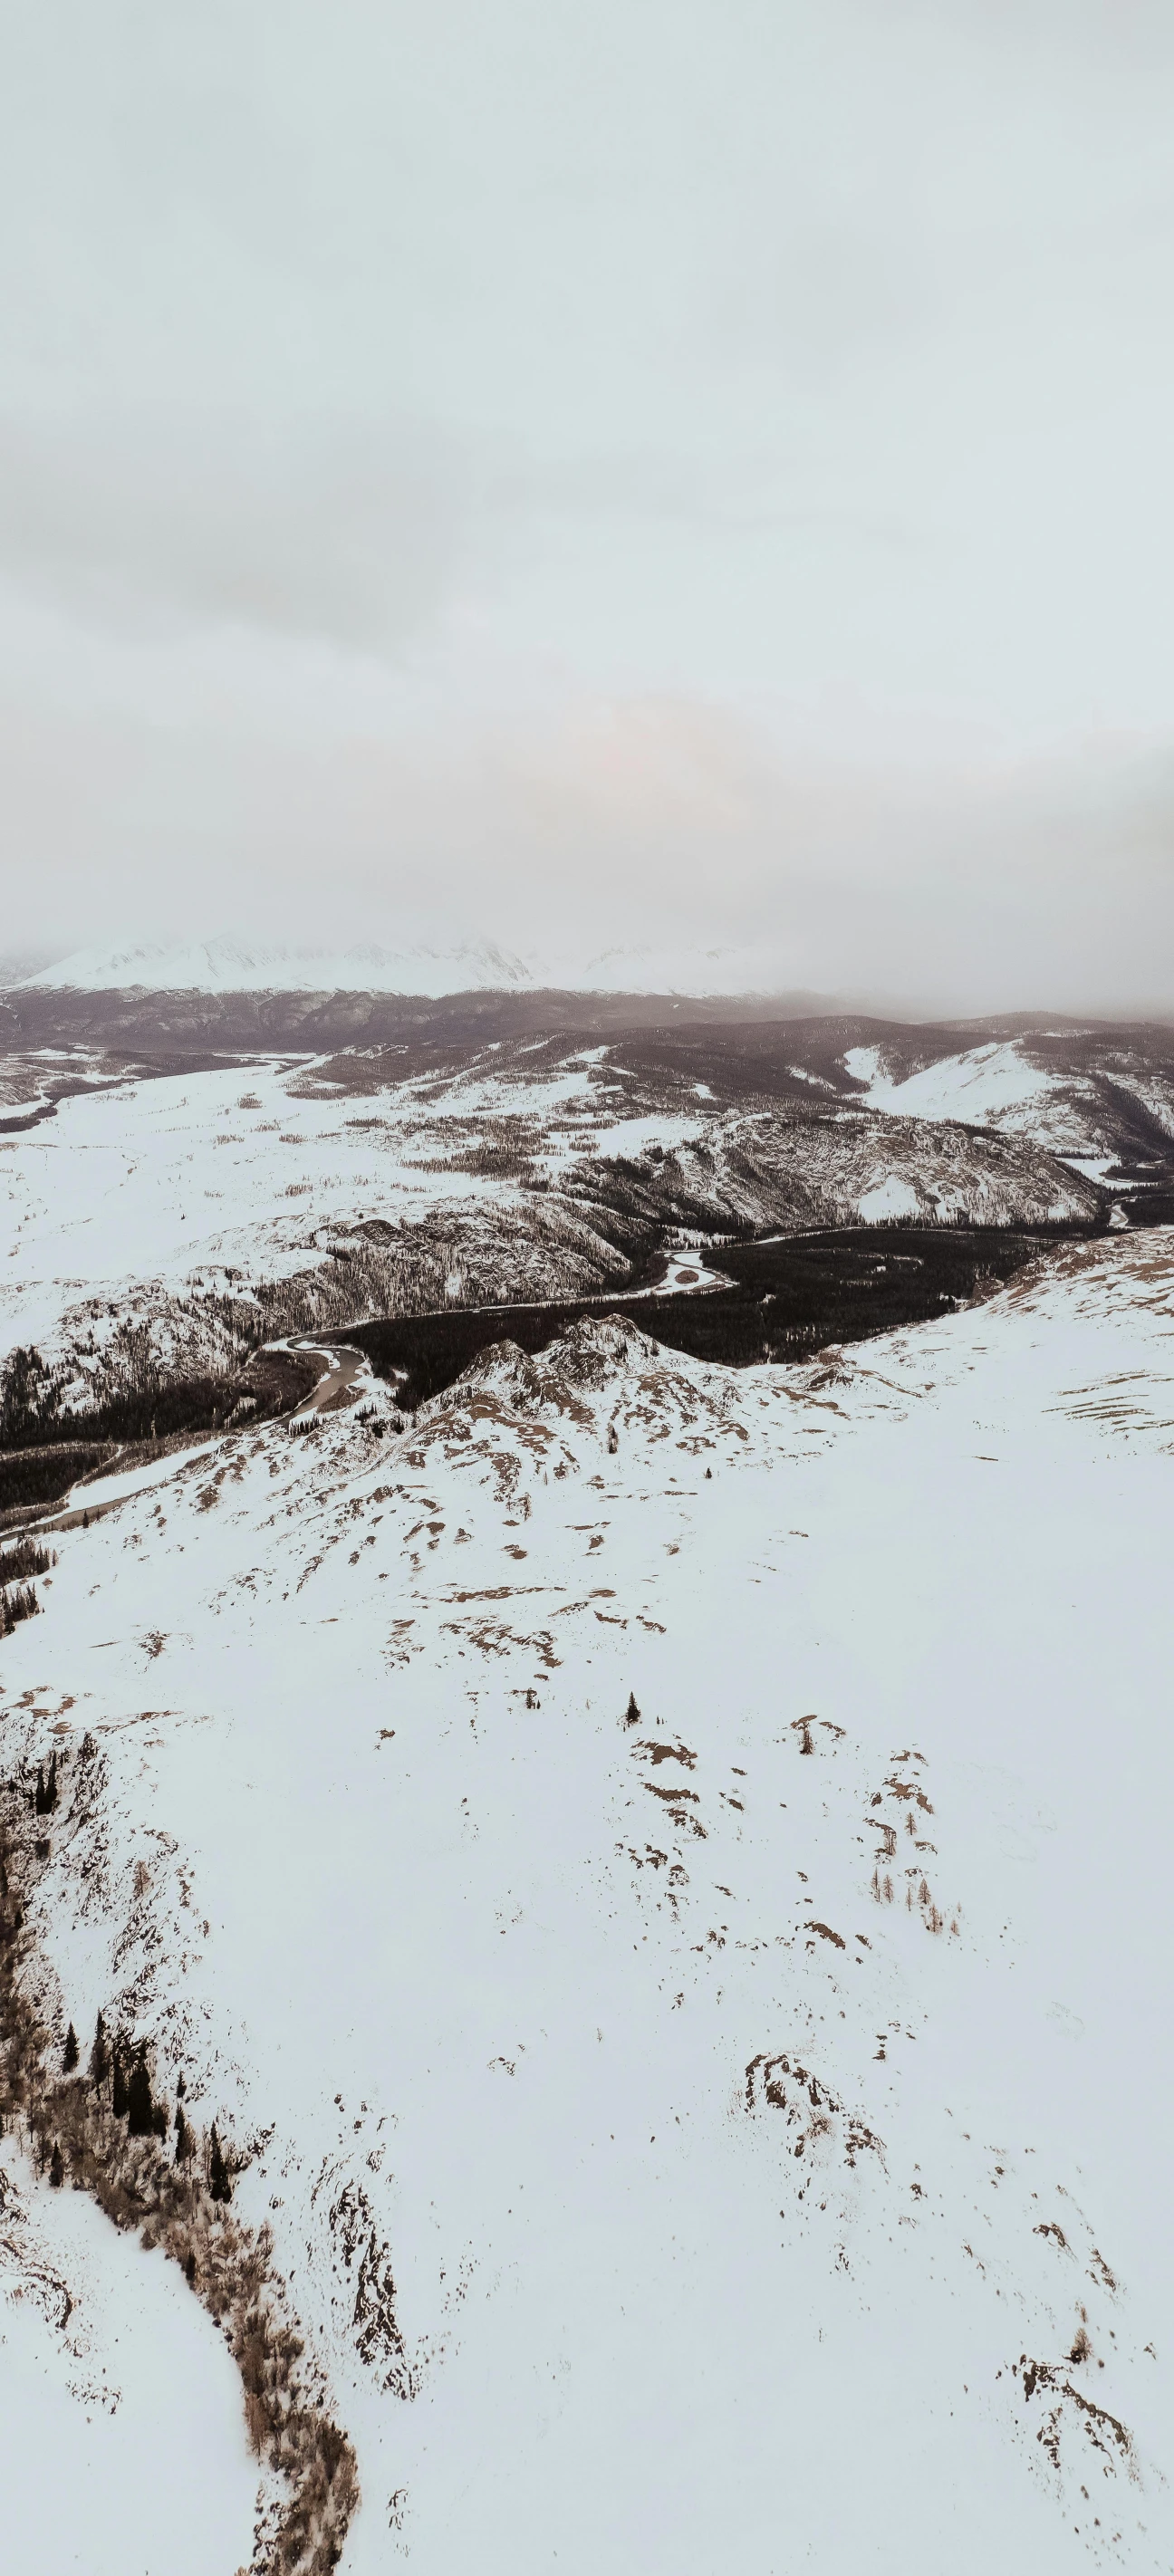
x=591, y=470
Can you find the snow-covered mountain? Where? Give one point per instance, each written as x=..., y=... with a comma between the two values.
x=658, y=1875
x=1020, y=1087
x=1103, y=1098
x=420, y=967
x=234, y=966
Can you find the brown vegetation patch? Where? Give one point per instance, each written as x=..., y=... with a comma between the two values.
x=808, y=2107
x=1106, y=2432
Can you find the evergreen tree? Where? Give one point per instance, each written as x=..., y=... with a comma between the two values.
x=69, y=2053
x=46, y=1797
x=29, y=1399
x=118, y=2090
x=39, y=1801
x=631, y=1713
x=56, y=2168
x=180, y=2086
x=99, y=2055
x=219, y=2185
x=140, y=2108
x=183, y=2136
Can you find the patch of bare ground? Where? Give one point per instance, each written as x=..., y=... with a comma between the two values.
x=822, y=2126
x=1068, y=2409
x=680, y=1801
x=101, y=2128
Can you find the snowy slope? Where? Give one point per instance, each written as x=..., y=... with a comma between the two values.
x=121, y=2440
x=984, y=1085
x=660, y=2177
x=1009, y=1087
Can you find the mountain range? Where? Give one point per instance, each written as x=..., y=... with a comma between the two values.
x=424, y=968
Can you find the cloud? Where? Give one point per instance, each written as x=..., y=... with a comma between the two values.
x=940, y=884
x=590, y=469
x=152, y=520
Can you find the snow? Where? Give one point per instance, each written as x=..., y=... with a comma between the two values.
x=980, y=1086
x=122, y=2441
x=512, y=1981
x=633, y=1136
x=493, y=1095
x=130, y=1480
x=890, y=1199
x=1001, y=1086
x=685, y=1274
x=819, y=1081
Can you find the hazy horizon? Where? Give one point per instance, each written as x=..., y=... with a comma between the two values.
x=643, y=976
x=585, y=480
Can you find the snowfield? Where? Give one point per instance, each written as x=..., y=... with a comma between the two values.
x=660, y=1875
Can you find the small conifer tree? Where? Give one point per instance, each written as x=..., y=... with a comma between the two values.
x=99, y=2055
x=118, y=2087
x=140, y=2108
x=56, y=2168
x=69, y=2052
x=219, y=2185
x=631, y=1713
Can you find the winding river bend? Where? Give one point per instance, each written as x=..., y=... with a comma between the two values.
x=773, y=1300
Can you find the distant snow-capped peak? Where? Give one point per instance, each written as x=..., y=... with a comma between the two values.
x=228, y=965
x=421, y=967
